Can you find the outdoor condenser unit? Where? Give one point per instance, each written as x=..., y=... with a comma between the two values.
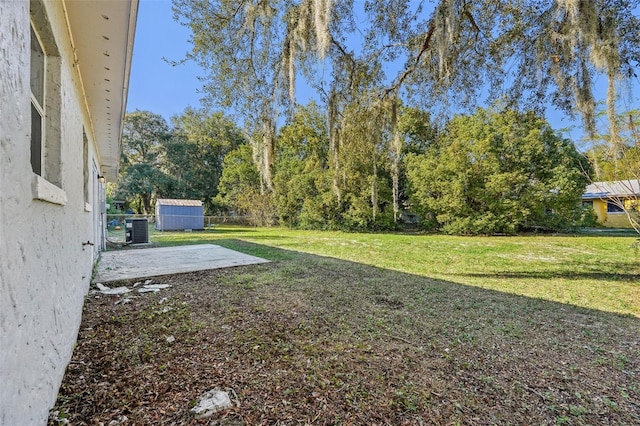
x=137, y=231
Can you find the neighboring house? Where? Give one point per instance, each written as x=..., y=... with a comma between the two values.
x=64, y=73
x=179, y=214
x=609, y=198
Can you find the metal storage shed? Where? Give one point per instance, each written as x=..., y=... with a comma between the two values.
x=174, y=215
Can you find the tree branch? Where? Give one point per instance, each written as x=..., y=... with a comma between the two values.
x=426, y=44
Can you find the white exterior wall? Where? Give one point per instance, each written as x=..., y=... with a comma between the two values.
x=45, y=269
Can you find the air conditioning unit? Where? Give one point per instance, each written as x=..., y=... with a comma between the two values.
x=137, y=231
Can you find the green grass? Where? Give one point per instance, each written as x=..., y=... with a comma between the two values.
x=372, y=329
x=595, y=272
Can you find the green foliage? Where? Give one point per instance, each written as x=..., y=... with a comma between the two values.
x=529, y=52
x=302, y=181
x=196, y=152
x=417, y=129
x=239, y=175
x=300, y=162
x=621, y=161
x=365, y=166
x=305, y=192
x=239, y=188
x=497, y=173
x=588, y=218
x=182, y=162
x=143, y=136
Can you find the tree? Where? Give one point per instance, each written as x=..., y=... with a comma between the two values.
x=195, y=154
x=413, y=132
x=529, y=52
x=302, y=186
x=143, y=135
x=497, y=172
x=304, y=182
x=364, y=174
x=239, y=188
x=620, y=162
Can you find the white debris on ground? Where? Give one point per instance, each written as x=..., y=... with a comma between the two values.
x=147, y=287
x=171, y=339
x=211, y=402
x=107, y=290
x=119, y=421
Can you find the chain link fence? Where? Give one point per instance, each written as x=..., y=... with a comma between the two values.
x=118, y=224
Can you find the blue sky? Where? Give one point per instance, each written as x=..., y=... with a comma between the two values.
x=157, y=86
x=154, y=84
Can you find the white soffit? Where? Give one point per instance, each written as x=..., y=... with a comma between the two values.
x=102, y=33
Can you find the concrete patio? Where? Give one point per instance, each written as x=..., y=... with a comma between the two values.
x=150, y=262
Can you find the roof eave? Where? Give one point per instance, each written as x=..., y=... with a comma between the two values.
x=102, y=34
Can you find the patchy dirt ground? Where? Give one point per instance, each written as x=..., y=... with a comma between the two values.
x=313, y=340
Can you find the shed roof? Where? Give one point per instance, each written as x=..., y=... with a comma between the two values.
x=618, y=188
x=173, y=202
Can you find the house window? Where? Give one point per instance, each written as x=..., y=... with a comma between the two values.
x=614, y=207
x=46, y=100
x=38, y=64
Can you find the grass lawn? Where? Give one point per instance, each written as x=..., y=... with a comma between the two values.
x=598, y=272
x=373, y=329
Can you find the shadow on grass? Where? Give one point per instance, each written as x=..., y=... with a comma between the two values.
x=203, y=237
x=319, y=340
x=276, y=254
x=578, y=275
x=607, y=232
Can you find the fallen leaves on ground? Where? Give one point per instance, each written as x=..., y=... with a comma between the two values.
x=314, y=340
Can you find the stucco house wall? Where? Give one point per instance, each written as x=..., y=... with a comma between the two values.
x=617, y=219
x=610, y=220
x=50, y=225
x=600, y=209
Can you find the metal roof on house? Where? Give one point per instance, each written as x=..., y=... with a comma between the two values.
x=173, y=202
x=618, y=188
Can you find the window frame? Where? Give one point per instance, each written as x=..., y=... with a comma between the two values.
x=46, y=182
x=37, y=106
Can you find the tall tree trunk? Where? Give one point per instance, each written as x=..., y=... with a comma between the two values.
x=334, y=142
x=263, y=154
x=396, y=152
x=374, y=189
x=614, y=129
x=146, y=203
x=268, y=146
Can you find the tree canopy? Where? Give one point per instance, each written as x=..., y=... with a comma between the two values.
x=497, y=173
x=183, y=161
x=143, y=136
x=620, y=162
x=448, y=52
